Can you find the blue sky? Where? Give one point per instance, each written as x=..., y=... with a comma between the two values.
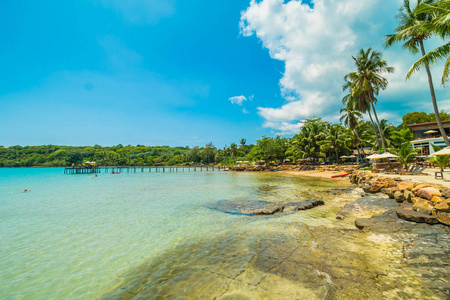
x=182, y=73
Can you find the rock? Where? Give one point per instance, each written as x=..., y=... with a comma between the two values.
x=445, y=193
x=340, y=191
x=443, y=206
x=303, y=205
x=376, y=186
x=423, y=185
x=443, y=217
x=405, y=185
x=423, y=207
x=249, y=207
x=408, y=196
x=390, y=192
x=436, y=200
x=428, y=192
x=406, y=213
x=399, y=196
x=397, y=178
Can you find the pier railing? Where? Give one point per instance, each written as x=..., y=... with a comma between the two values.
x=142, y=169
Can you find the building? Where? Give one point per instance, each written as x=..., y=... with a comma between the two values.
x=425, y=134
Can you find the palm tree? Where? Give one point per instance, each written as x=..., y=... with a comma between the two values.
x=367, y=82
x=389, y=131
x=440, y=161
x=439, y=25
x=335, y=137
x=406, y=154
x=361, y=105
x=350, y=116
x=413, y=28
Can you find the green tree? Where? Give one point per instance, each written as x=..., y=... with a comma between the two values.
x=441, y=161
x=413, y=28
x=406, y=154
x=366, y=82
x=350, y=116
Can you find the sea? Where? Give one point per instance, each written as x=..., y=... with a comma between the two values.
x=154, y=235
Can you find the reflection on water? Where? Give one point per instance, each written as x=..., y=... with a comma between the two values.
x=152, y=236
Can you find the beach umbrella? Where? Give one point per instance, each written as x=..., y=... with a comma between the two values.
x=373, y=156
x=352, y=156
x=444, y=151
x=343, y=156
x=431, y=131
x=388, y=155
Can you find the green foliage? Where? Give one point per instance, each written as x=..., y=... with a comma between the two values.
x=422, y=117
x=441, y=161
x=406, y=154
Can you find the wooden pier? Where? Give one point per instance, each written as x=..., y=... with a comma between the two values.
x=142, y=169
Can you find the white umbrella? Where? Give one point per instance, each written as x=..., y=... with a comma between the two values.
x=373, y=156
x=343, y=156
x=431, y=131
x=388, y=155
x=444, y=151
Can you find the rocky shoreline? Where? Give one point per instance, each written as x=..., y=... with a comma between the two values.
x=419, y=202
x=318, y=168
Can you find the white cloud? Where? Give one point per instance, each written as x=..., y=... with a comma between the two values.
x=283, y=128
x=239, y=100
x=316, y=45
x=142, y=11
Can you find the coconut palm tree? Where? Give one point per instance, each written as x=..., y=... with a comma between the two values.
x=366, y=82
x=350, y=116
x=360, y=104
x=335, y=137
x=439, y=25
x=414, y=26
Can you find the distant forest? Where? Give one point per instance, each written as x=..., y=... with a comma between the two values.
x=317, y=140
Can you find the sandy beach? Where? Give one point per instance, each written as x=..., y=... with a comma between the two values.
x=428, y=176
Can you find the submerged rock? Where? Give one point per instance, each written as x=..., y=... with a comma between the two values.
x=257, y=207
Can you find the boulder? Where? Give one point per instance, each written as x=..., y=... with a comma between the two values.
x=408, y=196
x=376, y=186
x=405, y=185
x=436, y=200
x=408, y=214
x=443, y=217
x=428, y=192
x=423, y=207
x=399, y=196
x=257, y=207
x=445, y=193
x=390, y=192
x=422, y=185
x=443, y=206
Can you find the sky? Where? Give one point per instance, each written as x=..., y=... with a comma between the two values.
x=186, y=73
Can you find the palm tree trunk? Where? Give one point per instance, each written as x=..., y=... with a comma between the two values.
x=337, y=155
x=363, y=157
x=374, y=129
x=433, y=99
x=379, y=127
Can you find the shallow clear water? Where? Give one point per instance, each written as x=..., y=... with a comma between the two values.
x=82, y=237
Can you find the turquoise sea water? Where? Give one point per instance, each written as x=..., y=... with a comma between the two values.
x=77, y=236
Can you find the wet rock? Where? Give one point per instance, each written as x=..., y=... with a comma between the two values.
x=399, y=196
x=407, y=213
x=249, y=207
x=443, y=217
x=303, y=205
x=373, y=203
x=340, y=191
x=428, y=192
x=423, y=207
